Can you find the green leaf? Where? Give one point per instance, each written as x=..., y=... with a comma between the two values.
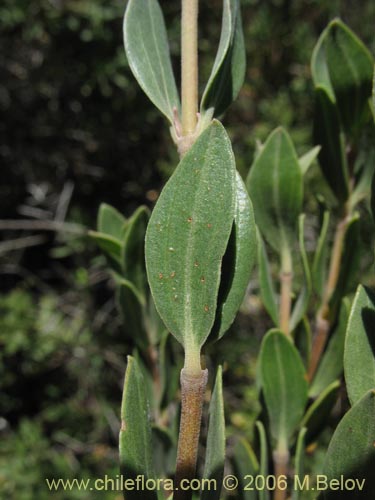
x=147, y=51
x=263, y=494
x=299, y=469
x=319, y=265
x=350, y=66
x=359, y=355
x=302, y=302
x=284, y=385
x=111, y=222
x=319, y=66
x=133, y=256
x=229, y=68
x=275, y=185
x=237, y=263
x=331, y=366
x=170, y=368
x=302, y=340
x=188, y=234
x=111, y=247
x=267, y=289
x=245, y=465
x=135, y=433
x=351, y=452
x=308, y=159
x=327, y=132
x=215, y=448
x=317, y=415
x=131, y=305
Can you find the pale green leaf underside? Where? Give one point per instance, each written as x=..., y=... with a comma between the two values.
x=283, y=383
x=135, y=434
x=237, y=263
x=351, y=452
x=359, y=355
x=147, y=51
x=188, y=234
x=228, y=71
x=111, y=221
x=215, y=446
x=305, y=161
x=275, y=185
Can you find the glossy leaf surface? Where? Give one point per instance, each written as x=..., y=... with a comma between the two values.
x=351, y=452
x=275, y=186
x=283, y=383
x=228, y=71
x=359, y=357
x=147, y=51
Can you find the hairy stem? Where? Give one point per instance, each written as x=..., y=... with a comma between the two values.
x=286, y=277
x=281, y=463
x=323, y=319
x=193, y=385
x=189, y=65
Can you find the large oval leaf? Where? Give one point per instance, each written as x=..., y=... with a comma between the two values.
x=228, y=72
x=188, y=234
x=147, y=50
x=359, y=355
x=351, y=453
x=275, y=186
x=237, y=263
x=135, y=433
x=284, y=385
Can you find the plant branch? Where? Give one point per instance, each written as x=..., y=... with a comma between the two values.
x=189, y=65
x=281, y=463
x=193, y=385
x=286, y=277
x=324, y=319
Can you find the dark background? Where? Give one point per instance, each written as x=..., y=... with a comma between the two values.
x=75, y=131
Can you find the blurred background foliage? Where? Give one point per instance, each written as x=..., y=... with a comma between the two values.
x=77, y=131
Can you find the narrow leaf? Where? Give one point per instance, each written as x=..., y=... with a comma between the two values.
x=299, y=469
x=359, y=356
x=135, y=433
x=302, y=340
x=245, y=466
x=111, y=222
x=133, y=256
x=328, y=133
x=188, y=234
x=351, y=452
x=228, y=71
x=283, y=383
x=131, y=305
x=147, y=51
x=275, y=186
x=319, y=265
x=331, y=366
x=308, y=159
x=318, y=413
x=215, y=447
x=111, y=247
x=302, y=302
x=263, y=494
x=267, y=289
x=237, y=263
x=319, y=66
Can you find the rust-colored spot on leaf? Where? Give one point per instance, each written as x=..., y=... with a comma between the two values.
x=203, y=279
x=161, y=276
x=209, y=225
x=173, y=274
x=196, y=264
x=206, y=308
x=190, y=219
x=123, y=426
